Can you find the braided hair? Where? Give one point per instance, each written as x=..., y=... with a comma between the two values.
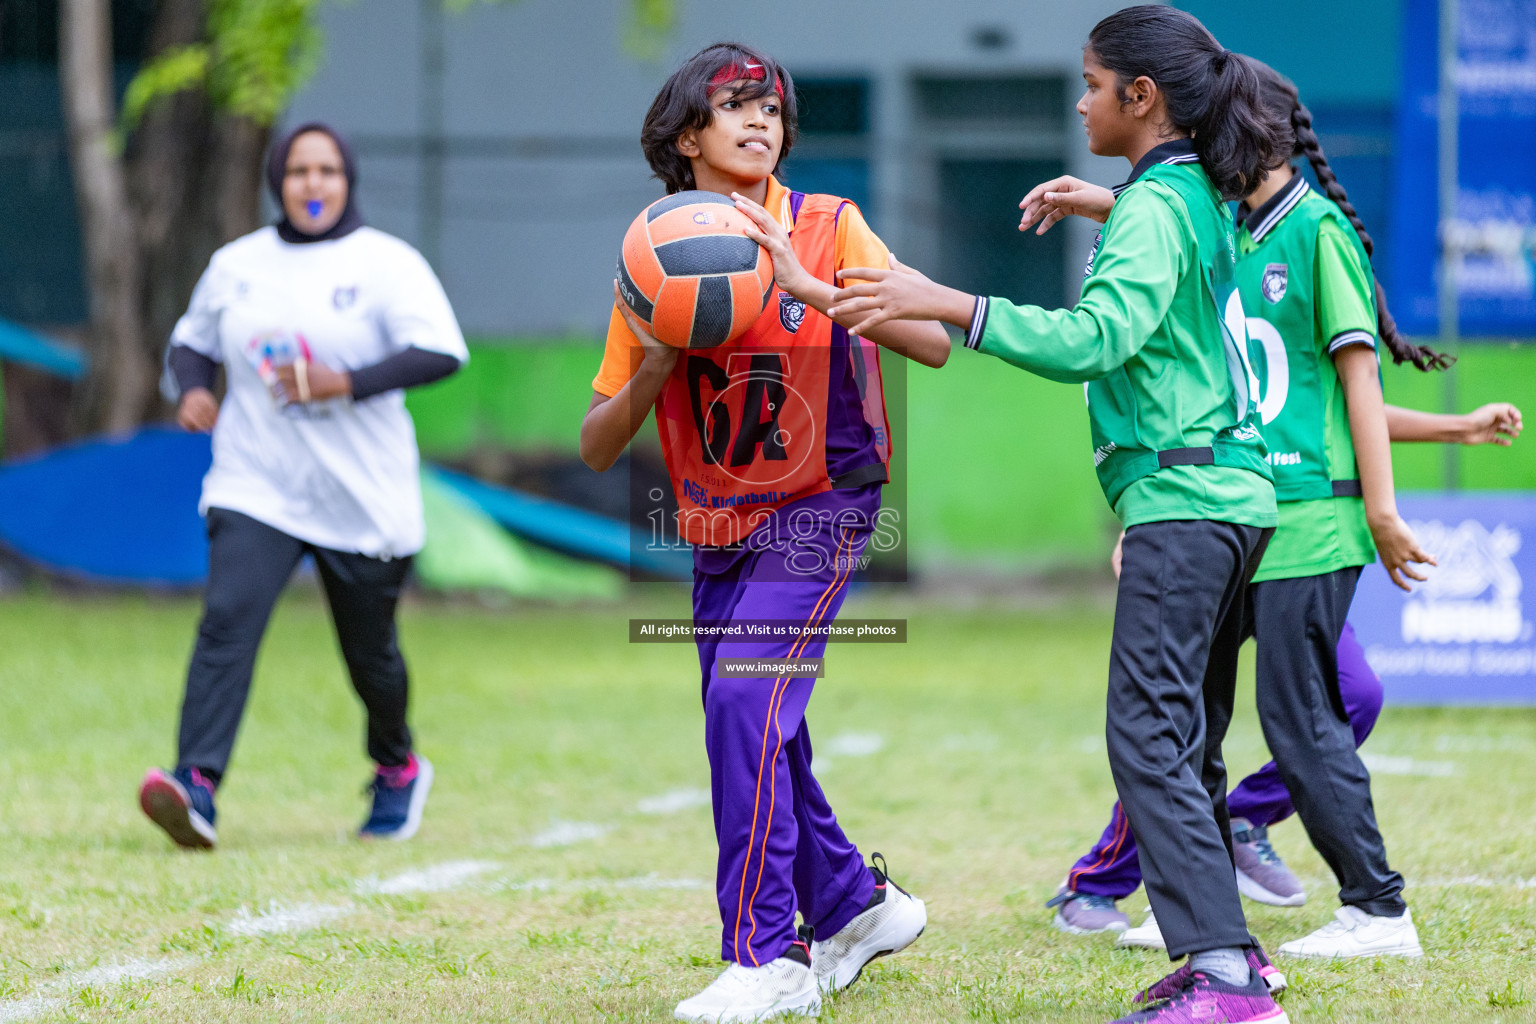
x=1279, y=93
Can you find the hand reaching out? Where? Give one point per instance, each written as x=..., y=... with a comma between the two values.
x=899, y=293
x=1062, y=197
x=1494, y=423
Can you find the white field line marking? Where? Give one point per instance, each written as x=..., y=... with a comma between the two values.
x=100, y=975
x=281, y=918
x=438, y=878
x=651, y=883
x=31, y=1006
x=1386, y=764
x=645, y=883
x=969, y=741
x=132, y=970
x=855, y=744
x=565, y=833
x=1476, y=882
x=674, y=800
x=1461, y=743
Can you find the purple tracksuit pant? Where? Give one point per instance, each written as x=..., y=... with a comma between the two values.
x=781, y=849
x=1111, y=868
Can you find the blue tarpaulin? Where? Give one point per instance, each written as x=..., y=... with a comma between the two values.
x=112, y=510
x=20, y=345
x=124, y=511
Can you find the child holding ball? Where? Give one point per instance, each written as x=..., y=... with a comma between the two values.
x=777, y=527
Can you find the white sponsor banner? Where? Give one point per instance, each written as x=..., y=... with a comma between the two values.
x=1464, y=636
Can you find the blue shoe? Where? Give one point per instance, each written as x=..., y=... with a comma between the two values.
x=399, y=794
x=181, y=803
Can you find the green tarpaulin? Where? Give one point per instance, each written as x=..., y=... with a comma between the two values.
x=467, y=550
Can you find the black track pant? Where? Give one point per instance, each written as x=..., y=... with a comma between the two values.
x=1297, y=623
x=248, y=566
x=1179, y=618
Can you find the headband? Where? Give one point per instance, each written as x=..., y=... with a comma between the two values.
x=734, y=72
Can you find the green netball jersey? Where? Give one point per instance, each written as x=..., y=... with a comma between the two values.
x=1158, y=340
x=1307, y=288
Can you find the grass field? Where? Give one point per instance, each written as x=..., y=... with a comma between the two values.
x=564, y=870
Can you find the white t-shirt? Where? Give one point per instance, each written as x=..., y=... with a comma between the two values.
x=339, y=474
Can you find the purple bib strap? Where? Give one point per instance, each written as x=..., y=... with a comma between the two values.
x=797, y=199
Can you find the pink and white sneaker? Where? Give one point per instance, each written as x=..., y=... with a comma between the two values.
x=1202, y=999
x=181, y=802
x=1257, y=961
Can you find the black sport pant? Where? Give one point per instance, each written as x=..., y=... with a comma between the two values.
x=249, y=564
x=1179, y=618
x=1309, y=735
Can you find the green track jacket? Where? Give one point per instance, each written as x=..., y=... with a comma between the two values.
x=1159, y=340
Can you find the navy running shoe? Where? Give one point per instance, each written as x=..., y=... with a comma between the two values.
x=399, y=794
x=181, y=802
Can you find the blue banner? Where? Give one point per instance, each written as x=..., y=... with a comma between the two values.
x=1463, y=637
x=1494, y=231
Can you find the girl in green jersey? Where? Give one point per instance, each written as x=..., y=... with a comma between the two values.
x=1315, y=315
x=1158, y=339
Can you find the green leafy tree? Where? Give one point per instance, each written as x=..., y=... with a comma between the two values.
x=175, y=172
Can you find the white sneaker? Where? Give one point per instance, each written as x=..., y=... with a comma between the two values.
x=891, y=922
x=743, y=994
x=1353, y=932
x=1147, y=936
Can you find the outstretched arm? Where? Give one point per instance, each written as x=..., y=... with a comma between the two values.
x=1062, y=197
x=926, y=343
x=1136, y=274
x=1494, y=423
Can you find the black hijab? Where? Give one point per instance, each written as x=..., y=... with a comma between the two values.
x=277, y=167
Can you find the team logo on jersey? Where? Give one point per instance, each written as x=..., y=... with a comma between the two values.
x=791, y=312
x=1273, y=282
x=344, y=298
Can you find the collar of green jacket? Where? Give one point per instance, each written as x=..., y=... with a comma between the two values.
x=1174, y=151
x=1272, y=211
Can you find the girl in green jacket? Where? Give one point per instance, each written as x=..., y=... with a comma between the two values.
x=1315, y=318
x=1158, y=339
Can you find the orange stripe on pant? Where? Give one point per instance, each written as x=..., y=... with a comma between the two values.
x=1122, y=827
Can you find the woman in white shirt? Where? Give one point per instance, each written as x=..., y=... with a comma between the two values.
x=320, y=323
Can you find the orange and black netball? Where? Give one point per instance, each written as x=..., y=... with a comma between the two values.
x=690, y=274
